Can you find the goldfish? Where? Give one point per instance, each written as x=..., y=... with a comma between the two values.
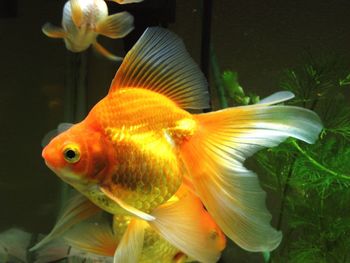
x=139, y=145
x=90, y=235
x=84, y=20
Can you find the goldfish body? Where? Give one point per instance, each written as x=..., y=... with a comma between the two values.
x=139, y=145
x=84, y=20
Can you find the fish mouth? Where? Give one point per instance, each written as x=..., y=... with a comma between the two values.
x=70, y=178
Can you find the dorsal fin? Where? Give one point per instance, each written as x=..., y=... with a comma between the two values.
x=160, y=62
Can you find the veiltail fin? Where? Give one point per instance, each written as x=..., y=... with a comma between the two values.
x=215, y=154
x=78, y=209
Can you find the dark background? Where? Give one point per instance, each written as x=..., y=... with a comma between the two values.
x=257, y=39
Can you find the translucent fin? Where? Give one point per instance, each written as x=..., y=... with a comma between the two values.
x=93, y=237
x=133, y=211
x=122, y=2
x=116, y=26
x=104, y=52
x=77, y=12
x=160, y=62
x=181, y=223
x=53, y=31
x=52, y=252
x=64, y=126
x=277, y=97
x=214, y=157
x=53, y=133
x=130, y=246
x=48, y=137
x=78, y=209
x=59, y=250
x=13, y=244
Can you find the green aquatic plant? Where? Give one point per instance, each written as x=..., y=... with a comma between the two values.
x=312, y=181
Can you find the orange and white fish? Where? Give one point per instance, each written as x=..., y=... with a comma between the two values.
x=138, y=145
x=84, y=20
x=96, y=238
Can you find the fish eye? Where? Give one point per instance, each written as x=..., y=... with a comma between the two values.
x=71, y=153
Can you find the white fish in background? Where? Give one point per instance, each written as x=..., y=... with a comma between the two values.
x=84, y=20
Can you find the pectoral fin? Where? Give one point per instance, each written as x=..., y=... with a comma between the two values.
x=132, y=210
x=130, y=247
x=77, y=12
x=104, y=52
x=53, y=31
x=116, y=26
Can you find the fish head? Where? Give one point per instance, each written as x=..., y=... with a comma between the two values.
x=79, y=156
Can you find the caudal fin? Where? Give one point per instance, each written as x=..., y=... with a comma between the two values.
x=215, y=154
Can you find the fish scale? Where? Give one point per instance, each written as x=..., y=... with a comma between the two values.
x=148, y=170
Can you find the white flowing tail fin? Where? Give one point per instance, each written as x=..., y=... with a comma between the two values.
x=215, y=154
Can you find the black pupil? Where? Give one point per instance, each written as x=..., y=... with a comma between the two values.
x=70, y=154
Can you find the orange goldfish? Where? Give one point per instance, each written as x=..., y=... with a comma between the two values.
x=98, y=239
x=84, y=20
x=139, y=145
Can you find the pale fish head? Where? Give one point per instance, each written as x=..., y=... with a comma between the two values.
x=80, y=156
